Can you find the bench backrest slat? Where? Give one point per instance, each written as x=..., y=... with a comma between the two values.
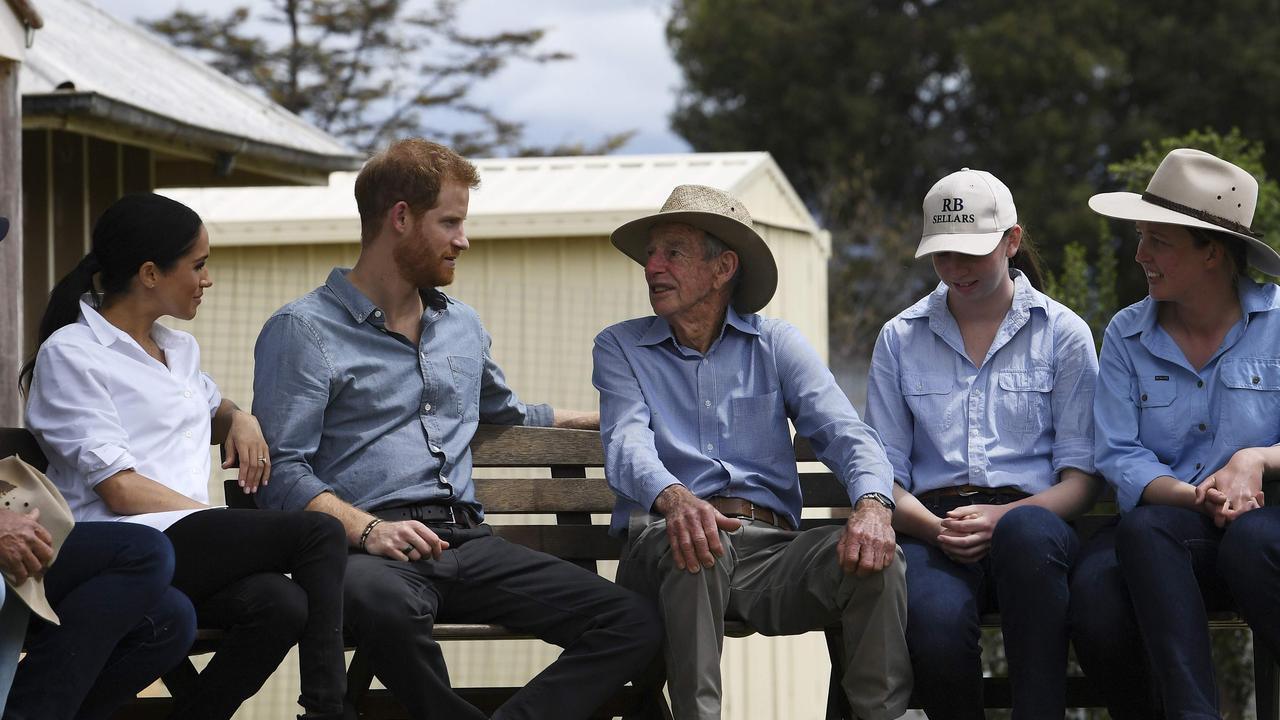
x=516, y=446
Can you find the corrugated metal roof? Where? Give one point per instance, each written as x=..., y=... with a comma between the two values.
x=529, y=197
x=83, y=45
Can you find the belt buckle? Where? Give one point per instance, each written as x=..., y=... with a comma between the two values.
x=962, y=493
x=752, y=507
x=452, y=518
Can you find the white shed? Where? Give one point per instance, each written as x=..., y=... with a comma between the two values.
x=545, y=279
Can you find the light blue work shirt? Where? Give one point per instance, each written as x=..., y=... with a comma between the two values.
x=717, y=423
x=350, y=407
x=1157, y=415
x=1016, y=421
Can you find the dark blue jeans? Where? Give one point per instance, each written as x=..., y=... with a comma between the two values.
x=1024, y=577
x=122, y=625
x=1169, y=566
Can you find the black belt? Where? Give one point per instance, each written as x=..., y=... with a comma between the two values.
x=430, y=514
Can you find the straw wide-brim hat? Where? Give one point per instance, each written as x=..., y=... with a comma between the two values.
x=23, y=489
x=1195, y=189
x=722, y=215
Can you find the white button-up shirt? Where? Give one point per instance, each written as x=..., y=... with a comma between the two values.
x=99, y=404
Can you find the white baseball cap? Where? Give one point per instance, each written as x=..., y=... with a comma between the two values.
x=966, y=212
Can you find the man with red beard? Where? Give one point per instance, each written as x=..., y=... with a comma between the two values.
x=369, y=390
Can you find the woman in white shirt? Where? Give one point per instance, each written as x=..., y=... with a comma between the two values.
x=119, y=405
x=981, y=393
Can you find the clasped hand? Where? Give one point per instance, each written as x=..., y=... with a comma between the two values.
x=1233, y=490
x=966, y=531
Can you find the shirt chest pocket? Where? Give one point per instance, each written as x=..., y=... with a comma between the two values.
x=466, y=386
x=758, y=429
x=1162, y=423
x=1250, y=406
x=1023, y=404
x=929, y=395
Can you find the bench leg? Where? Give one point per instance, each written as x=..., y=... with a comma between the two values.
x=837, y=703
x=1266, y=688
x=359, y=678
x=652, y=704
x=181, y=680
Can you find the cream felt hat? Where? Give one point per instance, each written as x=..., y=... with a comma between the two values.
x=966, y=212
x=23, y=489
x=1195, y=189
x=722, y=215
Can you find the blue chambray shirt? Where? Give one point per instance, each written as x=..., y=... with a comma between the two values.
x=348, y=407
x=1017, y=421
x=718, y=422
x=1156, y=415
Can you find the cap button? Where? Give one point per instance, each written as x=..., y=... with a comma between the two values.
x=964, y=169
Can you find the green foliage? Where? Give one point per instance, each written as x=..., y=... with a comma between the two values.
x=370, y=71
x=865, y=103
x=1089, y=290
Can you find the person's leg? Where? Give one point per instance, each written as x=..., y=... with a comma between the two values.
x=693, y=607
x=609, y=634
x=1249, y=561
x=122, y=626
x=1105, y=633
x=1168, y=556
x=218, y=551
x=13, y=625
x=1032, y=551
x=788, y=583
x=391, y=609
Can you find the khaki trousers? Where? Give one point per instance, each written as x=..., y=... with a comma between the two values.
x=781, y=583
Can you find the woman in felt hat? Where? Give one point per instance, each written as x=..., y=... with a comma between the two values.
x=1187, y=417
x=119, y=405
x=982, y=395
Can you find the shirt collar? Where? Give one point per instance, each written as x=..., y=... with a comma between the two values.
x=660, y=330
x=107, y=334
x=351, y=298
x=1254, y=298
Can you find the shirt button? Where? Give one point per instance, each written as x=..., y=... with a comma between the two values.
x=186, y=393
x=707, y=403
x=1198, y=466
x=434, y=448
x=426, y=407
x=187, y=434
x=710, y=446
x=1256, y=379
x=1144, y=397
x=973, y=471
x=1203, y=427
x=377, y=313
x=1199, y=383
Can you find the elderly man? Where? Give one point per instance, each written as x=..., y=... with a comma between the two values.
x=693, y=412
x=369, y=390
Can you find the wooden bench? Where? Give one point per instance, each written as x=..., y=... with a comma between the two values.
x=571, y=497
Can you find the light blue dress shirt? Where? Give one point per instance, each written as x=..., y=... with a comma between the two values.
x=350, y=407
x=718, y=422
x=1157, y=415
x=1016, y=421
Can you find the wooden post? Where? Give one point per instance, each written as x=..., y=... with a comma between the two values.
x=11, y=346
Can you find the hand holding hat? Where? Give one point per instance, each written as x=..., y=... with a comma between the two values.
x=34, y=521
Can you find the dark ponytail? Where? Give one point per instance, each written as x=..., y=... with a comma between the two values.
x=134, y=230
x=1027, y=260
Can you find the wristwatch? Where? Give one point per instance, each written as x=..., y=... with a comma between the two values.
x=878, y=497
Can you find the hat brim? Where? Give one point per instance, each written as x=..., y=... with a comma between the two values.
x=965, y=243
x=1131, y=206
x=759, y=280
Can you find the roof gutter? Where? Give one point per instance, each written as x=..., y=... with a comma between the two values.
x=39, y=109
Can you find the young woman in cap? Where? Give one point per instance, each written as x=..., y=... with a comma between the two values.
x=120, y=407
x=1187, y=418
x=982, y=394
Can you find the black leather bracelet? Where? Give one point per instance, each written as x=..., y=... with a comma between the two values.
x=364, y=536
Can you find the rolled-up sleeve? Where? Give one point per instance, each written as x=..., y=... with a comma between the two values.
x=887, y=410
x=71, y=412
x=291, y=381
x=822, y=413
x=499, y=404
x=1075, y=381
x=631, y=461
x=1119, y=455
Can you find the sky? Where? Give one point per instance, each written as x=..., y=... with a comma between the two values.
x=621, y=78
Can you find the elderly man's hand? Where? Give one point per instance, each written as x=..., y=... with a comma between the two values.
x=693, y=528
x=26, y=548
x=868, y=544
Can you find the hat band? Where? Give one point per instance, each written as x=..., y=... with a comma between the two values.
x=1199, y=215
